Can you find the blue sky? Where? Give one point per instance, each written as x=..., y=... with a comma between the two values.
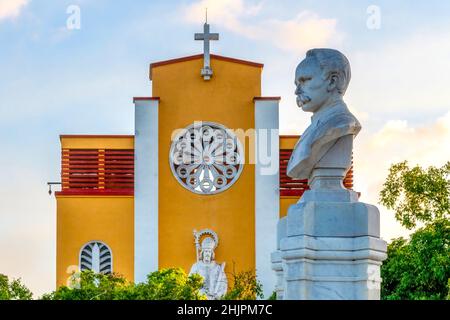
x=54, y=80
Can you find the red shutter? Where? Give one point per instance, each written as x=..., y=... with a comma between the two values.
x=295, y=187
x=97, y=170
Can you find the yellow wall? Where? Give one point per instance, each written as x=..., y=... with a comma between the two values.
x=285, y=203
x=287, y=143
x=226, y=99
x=96, y=142
x=81, y=219
x=85, y=218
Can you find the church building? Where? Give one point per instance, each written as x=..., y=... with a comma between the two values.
x=205, y=159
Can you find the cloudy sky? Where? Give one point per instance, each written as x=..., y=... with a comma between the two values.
x=57, y=80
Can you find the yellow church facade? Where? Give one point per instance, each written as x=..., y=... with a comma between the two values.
x=128, y=202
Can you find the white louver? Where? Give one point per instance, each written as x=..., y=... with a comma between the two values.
x=96, y=256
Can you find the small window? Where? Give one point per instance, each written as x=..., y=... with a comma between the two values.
x=96, y=256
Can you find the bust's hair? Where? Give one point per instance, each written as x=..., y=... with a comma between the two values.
x=333, y=62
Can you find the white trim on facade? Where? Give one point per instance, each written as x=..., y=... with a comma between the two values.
x=267, y=198
x=145, y=188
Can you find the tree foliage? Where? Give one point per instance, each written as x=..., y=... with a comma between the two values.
x=13, y=289
x=88, y=285
x=246, y=286
x=166, y=284
x=448, y=296
x=417, y=195
x=273, y=296
x=169, y=284
x=419, y=268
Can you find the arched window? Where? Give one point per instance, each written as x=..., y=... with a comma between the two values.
x=96, y=256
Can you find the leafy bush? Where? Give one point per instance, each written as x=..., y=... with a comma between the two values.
x=246, y=286
x=169, y=284
x=273, y=296
x=418, y=269
x=166, y=284
x=88, y=285
x=416, y=194
x=13, y=290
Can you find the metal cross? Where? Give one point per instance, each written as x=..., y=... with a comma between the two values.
x=206, y=72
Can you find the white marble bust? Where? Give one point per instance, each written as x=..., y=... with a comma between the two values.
x=321, y=81
x=214, y=277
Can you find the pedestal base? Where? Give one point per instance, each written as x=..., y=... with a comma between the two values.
x=329, y=250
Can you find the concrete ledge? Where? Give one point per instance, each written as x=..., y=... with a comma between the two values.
x=334, y=255
x=333, y=243
x=343, y=195
x=333, y=219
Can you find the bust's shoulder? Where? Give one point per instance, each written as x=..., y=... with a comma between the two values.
x=341, y=117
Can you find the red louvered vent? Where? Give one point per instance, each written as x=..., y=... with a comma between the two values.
x=119, y=169
x=97, y=170
x=79, y=169
x=295, y=187
x=289, y=186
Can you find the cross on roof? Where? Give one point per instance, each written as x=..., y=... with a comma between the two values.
x=206, y=72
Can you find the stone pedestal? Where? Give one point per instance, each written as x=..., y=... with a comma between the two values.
x=329, y=247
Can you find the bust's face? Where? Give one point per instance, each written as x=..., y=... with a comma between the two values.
x=311, y=89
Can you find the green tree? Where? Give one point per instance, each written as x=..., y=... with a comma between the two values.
x=448, y=296
x=88, y=285
x=166, y=284
x=13, y=290
x=273, y=296
x=417, y=195
x=169, y=284
x=419, y=268
x=245, y=286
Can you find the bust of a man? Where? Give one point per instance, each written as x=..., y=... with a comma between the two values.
x=214, y=277
x=321, y=81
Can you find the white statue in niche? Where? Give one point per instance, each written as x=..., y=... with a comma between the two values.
x=214, y=277
x=325, y=148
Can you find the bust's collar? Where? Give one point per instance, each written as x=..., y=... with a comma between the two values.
x=338, y=106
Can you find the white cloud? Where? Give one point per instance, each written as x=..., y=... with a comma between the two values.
x=11, y=8
x=223, y=12
x=410, y=75
x=307, y=30
x=425, y=145
x=304, y=31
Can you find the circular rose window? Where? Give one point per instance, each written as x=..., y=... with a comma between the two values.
x=205, y=158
